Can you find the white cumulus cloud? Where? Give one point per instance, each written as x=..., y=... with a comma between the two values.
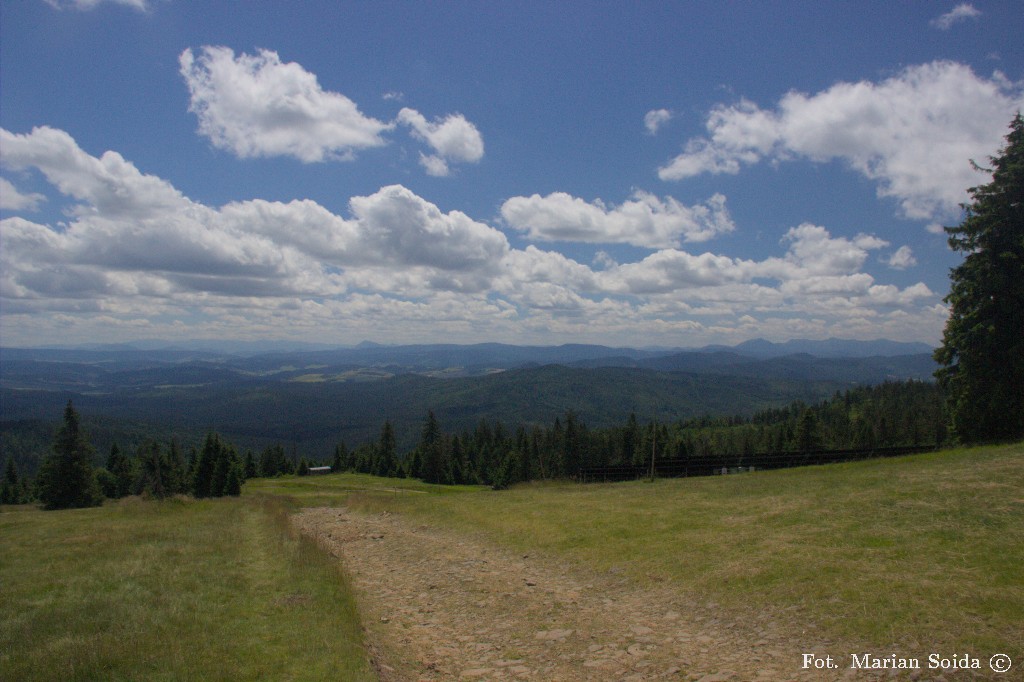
x=452, y=138
x=813, y=250
x=914, y=133
x=901, y=259
x=135, y=255
x=134, y=234
x=257, y=105
x=644, y=220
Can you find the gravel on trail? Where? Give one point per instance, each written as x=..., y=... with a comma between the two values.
x=442, y=605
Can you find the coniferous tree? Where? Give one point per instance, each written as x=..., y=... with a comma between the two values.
x=10, y=488
x=274, y=462
x=155, y=471
x=982, y=351
x=523, y=464
x=127, y=475
x=340, y=462
x=456, y=464
x=572, y=448
x=412, y=466
x=386, y=459
x=364, y=458
x=432, y=464
x=114, y=458
x=249, y=468
x=807, y=437
x=190, y=468
x=66, y=477
x=233, y=482
x=177, y=479
x=630, y=439
x=303, y=468
x=106, y=482
x=504, y=474
x=202, y=477
x=122, y=468
x=538, y=453
x=226, y=456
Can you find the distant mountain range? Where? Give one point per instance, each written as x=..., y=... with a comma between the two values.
x=424, y=356
x=121, y=368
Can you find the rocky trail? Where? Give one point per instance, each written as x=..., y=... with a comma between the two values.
x=439, y=605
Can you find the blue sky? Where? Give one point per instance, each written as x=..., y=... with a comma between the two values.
x=659, y=173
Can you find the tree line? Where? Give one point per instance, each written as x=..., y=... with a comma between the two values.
x=887, y=415
x=67, y=478
x=492, y=453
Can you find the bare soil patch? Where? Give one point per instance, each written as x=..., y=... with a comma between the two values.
x=439, y=605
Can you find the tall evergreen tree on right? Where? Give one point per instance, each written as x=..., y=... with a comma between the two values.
x=982, y=352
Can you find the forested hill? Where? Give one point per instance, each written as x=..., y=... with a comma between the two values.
x=309, y=401
x=318, y=413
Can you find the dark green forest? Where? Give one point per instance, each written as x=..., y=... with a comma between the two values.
x=162, y=400
x=500, y=453
x=495, y=453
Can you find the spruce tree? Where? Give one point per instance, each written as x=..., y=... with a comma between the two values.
x=177, y=472
x=340, y=462
x=225, y=457
x=121, y=470
x=982, y=352
x=268, y=463
x=66, y=477
x=114, y=458
x=386, y=460
x=630, y=439
x=10, y=488
x=202, y=477
x=233, y=482
x=504, y=474
x=190, y=467
x=572, y=447
x=455, y=472
x=432, y=465
x=106, y=482
x=807, y=437
x=249, y=468
x=156, y=471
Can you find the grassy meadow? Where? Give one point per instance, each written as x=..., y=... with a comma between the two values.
x=172, y=590
x=923, y=551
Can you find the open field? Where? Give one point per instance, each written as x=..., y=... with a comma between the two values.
x=917, y=554
x=909, y=556
x=173, y=590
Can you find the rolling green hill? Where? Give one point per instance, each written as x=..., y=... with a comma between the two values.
x=309, y=401
x=314, y=416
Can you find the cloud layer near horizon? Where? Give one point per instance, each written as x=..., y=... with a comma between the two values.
x=135, y=253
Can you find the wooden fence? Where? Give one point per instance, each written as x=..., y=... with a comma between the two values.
x=710, y=465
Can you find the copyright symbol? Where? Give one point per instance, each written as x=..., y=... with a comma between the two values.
x=1000, y=663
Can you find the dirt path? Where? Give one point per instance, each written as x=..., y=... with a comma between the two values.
x=444, y=606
